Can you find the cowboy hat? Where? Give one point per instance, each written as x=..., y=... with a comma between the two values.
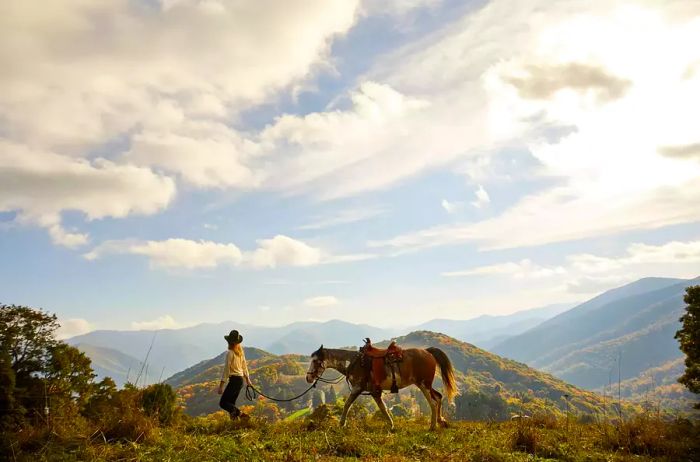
x=233, y=337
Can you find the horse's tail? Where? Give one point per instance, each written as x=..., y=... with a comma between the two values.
x=446, y=371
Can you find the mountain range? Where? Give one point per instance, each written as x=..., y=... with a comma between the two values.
x=490, y=386
x=632, y=327
x=172, y=350
x=618, y=334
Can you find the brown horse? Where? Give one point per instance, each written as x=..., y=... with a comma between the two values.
x=417, y=368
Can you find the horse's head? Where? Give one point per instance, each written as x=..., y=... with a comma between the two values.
x=317, y=365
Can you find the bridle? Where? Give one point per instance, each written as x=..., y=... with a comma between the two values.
x=319, y=367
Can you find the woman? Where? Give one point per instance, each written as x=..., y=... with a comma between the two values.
x=235, y=371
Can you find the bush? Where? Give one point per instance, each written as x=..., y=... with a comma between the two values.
x=159, y=401
x=651, y=436
x=124, y=418
x=525, y=438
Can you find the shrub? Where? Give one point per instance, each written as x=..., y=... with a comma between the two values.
x=125, y=420
x=651, y=436
x=159, y=401
x=525, y=438
x=543, y=420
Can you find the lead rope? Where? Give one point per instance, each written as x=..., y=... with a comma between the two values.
x=251, y=393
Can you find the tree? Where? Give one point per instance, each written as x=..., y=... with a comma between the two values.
x=331, y=396
x=7, y=389
x=26, y=335
x=266, y=410
x=317, y=398
x=689, y=338
x=68, y=373
x=26, y=342
x=159, y=400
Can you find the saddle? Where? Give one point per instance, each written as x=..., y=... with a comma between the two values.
x=375, y=359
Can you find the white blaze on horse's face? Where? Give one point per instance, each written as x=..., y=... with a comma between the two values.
x=314, y=367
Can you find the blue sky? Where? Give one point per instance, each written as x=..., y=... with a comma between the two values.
x=173, y=162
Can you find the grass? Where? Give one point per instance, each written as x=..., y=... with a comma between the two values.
x=215, y=438
x=297, y=414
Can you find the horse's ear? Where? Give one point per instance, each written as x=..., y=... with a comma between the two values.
x=321, y=347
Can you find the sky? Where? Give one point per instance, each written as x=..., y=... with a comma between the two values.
x=169, y=162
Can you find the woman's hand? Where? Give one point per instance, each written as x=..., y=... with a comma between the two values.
x=221, y=388
x=247, y=381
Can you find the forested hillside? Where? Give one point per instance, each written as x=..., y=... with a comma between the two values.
x=491, y=387
x=627, y=330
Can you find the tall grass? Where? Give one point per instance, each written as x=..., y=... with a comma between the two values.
x=318, y=436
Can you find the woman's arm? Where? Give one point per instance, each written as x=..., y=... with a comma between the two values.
x=225, y=372
x=246, y=375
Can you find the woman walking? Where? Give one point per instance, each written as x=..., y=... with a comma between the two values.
x=235, y=371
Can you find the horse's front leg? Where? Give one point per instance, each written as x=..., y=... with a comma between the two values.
x=354, y=393
x=382, y=407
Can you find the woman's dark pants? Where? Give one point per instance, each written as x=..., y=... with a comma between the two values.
x=228, y=399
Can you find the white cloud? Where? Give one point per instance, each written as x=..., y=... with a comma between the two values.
x=590, y=274
x=675, y=252
x=60, y=236
x=524, y=269
x=339, y=153
x=451, y=207
x=72, y=327
x=344, y=217
x=40, y=185
x=183, y=253
x=161, y=322
x=322, y=301
x=173, y=253
x=397, y=7
x=482, y=198
x=577, y=65
x=163, y=78
x=284, y=251
x=205, y=154
x=193, y=55
x=188, y=254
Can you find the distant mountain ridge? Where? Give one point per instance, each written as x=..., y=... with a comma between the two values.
x=176, y=349
x=635, y=322
x=488, y=330
x=108, y=362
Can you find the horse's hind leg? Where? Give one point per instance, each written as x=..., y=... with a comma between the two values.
x=431, y=403
x=382, y=407
x=437, y=396
x=351, y=399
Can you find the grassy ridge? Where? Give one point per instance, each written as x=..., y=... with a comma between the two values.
x=216, y=438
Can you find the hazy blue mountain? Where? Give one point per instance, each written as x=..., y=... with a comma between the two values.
x=334, y=333
x=635, y=322
x=108, y=362
x=486, y=331
x=176, y=349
